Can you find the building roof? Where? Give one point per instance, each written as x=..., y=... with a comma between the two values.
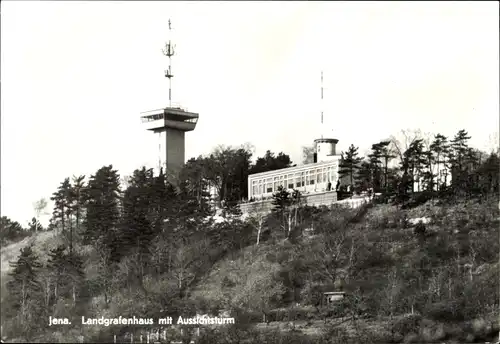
x=326, y=140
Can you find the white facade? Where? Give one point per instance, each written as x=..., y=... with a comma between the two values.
x=310, y=178
x=325, y=149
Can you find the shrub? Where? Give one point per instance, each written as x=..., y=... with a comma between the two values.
x=227, y=283
x=360, y=213
x=453, y=332
x=282, y=257
x=209, y=336
x=295, y=337
x=420, y=229
x=419, y=199
x=276, y=315
x=291, y=314
x=405, y=222
x=444, y=311
x=382, y=223
x=408, y=324
x=246, y=317
x=335, y=335
x=431, y=332
x=297, y=314
x=411, y=338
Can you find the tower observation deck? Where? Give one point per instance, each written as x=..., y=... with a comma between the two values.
x=170, y=123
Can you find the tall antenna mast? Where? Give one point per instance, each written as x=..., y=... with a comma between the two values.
x=321, y=104
x=169, y=52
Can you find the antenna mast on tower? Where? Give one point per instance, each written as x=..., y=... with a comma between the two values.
x=322, y=104
x=169, y=52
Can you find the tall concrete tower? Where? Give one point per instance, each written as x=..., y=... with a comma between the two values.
x=324, y=147
x=170, y=123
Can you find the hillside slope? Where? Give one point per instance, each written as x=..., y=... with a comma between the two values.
x=10, y=252
x=400, y=272
x=437, y=283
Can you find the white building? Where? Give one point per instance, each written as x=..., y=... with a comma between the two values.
x=320, y=176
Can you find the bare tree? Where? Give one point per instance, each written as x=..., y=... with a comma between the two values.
x=125, y=182
x=46, y=283
x=249, y=147
x=401, y=142
x=351, y=261
x=391, y=291
x=257, y=215
x=186, y=262
x=436, y=282
x=256, y=291
x=40, y=206
x=307, y=154
x=105, y=273
x=330, y=255
x=493, y=143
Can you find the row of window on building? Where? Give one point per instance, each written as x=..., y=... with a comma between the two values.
x=295, y=180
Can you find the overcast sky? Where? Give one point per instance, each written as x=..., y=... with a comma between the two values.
x=76, y=75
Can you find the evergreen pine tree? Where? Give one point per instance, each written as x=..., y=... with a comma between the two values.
x=375, y=163
x=10, y=230
x=56, y=264
x=75, y=275
x=282, y=200
x=489, y=175
x=386, y=155
x=349, y=164
x=416, y=161
x=102, y=213
x=439, y=150
x=102, y=223
x=77, y=192
x=35, y=226
x=364, y=177
x=60, y=198
x=412, y=164
x=70, y=197
x=138, y=213
x=26, y=292
x=406, y=183
x=428, y=176
x=458, y=158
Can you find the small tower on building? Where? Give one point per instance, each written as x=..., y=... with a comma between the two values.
x=170, y=123
x=324, y=147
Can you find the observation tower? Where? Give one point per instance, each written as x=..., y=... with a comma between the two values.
x=170, y=123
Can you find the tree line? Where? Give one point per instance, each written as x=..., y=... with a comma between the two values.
x=442, y=165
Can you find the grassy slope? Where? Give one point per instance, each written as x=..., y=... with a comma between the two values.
x=40, y=241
